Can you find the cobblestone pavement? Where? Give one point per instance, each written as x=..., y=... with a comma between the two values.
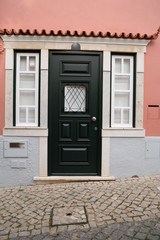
x=121, y=209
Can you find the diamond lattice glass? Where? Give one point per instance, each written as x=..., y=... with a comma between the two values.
x=74, y=98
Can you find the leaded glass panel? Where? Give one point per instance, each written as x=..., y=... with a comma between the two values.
x=74, y=98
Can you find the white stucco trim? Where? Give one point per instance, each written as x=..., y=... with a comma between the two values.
x=139, y=99
x=43, y=156
x=9, y=59
x=25, y=131
x=87, y=43
x=140, y=62
x=59, y=39
x=44, y=99
x=123, y=132
x=106, y=100
x=105, y=159
x=106, y=61
x=44, y=43
x=8, y=98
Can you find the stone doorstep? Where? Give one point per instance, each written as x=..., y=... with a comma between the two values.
x=67, y=179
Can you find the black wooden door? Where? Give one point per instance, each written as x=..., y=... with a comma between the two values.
x=74, y=113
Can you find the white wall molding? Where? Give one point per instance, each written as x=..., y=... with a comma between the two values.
x=106, y=100
x=44, y=59
x=43, y=156
x=9, y=59
x=140, y=62
x=123, y=132
x=105, y=159
x=9, y=98
x=44, y=99
x=25, y=131
x=139, y=99
x=89, y=40
x=106, y=61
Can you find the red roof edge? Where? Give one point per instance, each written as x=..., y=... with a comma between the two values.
x=155, y=36
x=75, y=33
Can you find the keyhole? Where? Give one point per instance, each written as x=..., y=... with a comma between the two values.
x=68, y=214
x=95, y=129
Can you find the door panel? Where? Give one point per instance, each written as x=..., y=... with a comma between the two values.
x=74, y=99
x=74, y=154
x=83, y=131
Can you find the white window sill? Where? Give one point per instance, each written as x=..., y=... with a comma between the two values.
x=123, y=132
x=26, y=131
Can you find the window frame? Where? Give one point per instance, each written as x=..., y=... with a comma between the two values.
x=132, y=91
x=17, y=54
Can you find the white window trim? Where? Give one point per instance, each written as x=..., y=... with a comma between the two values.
x=36, y=89
x=113, y=91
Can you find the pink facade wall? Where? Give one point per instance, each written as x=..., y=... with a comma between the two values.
x=2, y=81
x=152, y=89
x=94, y=15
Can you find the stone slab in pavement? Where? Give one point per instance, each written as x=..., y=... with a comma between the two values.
x=118, y=210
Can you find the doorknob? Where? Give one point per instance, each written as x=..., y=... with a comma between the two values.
x=94, y=119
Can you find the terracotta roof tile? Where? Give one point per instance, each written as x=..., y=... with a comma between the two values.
x=43, y=32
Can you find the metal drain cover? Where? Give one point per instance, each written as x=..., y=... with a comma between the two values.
x=68, y=215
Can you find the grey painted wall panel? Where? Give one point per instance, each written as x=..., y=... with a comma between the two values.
x=128, y=157
x=134, y=156
x=15, y=170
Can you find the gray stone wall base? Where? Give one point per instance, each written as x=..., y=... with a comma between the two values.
x=19, y=160
x=134, y=156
